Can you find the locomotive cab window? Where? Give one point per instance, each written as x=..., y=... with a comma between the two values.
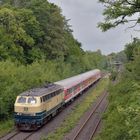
x=32, y=100
x=21, y=100
x=41, y=99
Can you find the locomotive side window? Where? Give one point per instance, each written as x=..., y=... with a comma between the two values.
x=32, y=100
x=46, y=97
x=21, y=100
x=60, y=91
x=55, y=93
x=41, y=99
x=51, y=95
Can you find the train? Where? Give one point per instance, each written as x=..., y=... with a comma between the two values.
x=33, y=108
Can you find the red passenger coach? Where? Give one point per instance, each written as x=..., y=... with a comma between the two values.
x=76, y=84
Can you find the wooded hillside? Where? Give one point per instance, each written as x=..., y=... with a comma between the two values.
x=37, y=45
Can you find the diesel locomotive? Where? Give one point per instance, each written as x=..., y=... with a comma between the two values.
x=33, y=108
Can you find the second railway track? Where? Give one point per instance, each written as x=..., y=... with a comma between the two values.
x=88, y=128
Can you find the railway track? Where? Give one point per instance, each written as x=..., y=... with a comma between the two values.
x=17, y=135
x=89, y=127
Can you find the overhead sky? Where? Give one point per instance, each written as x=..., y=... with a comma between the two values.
x=84, y=16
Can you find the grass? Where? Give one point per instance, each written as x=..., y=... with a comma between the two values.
x=79, y=110
x=6, y=126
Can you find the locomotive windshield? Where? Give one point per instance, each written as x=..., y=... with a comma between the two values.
x=29, y=100
x=32, y=100
x=21, y=100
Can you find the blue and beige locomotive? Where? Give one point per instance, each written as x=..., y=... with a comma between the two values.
x=34, y=107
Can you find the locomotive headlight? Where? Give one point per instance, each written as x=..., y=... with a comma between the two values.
x=34, y=114
x=19, y=113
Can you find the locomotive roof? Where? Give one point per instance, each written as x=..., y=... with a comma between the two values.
x=66, y=83
x=42, y=90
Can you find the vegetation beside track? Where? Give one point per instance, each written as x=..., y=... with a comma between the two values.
x=79, y=110
x=122, y=120
x=6, y=127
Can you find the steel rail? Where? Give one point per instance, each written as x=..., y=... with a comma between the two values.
x=82, y=127
x=12, y=136
x=97, y=125
x=28, y=136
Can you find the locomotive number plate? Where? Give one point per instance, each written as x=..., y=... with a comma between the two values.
x=26, y=109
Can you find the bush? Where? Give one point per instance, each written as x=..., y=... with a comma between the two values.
x=121, y=121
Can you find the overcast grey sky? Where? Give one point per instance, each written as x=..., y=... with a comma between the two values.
x=84, y=15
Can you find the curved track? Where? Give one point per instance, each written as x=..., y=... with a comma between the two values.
x=89, y=126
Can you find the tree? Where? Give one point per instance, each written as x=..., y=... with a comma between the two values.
x=118, y=12
x=19, y=31
x=132, y=49
x=55, y=27
x=57, y=35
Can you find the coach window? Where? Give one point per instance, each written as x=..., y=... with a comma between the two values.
x=69, y=91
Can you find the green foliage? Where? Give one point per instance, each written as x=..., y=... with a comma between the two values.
x=6, y=126
x=113, y=75
x=31, y=26
x=118, y=12
x=121, y=121
x=16, y=29
x=132, y=49
x=122, y=118
x=36, y=30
